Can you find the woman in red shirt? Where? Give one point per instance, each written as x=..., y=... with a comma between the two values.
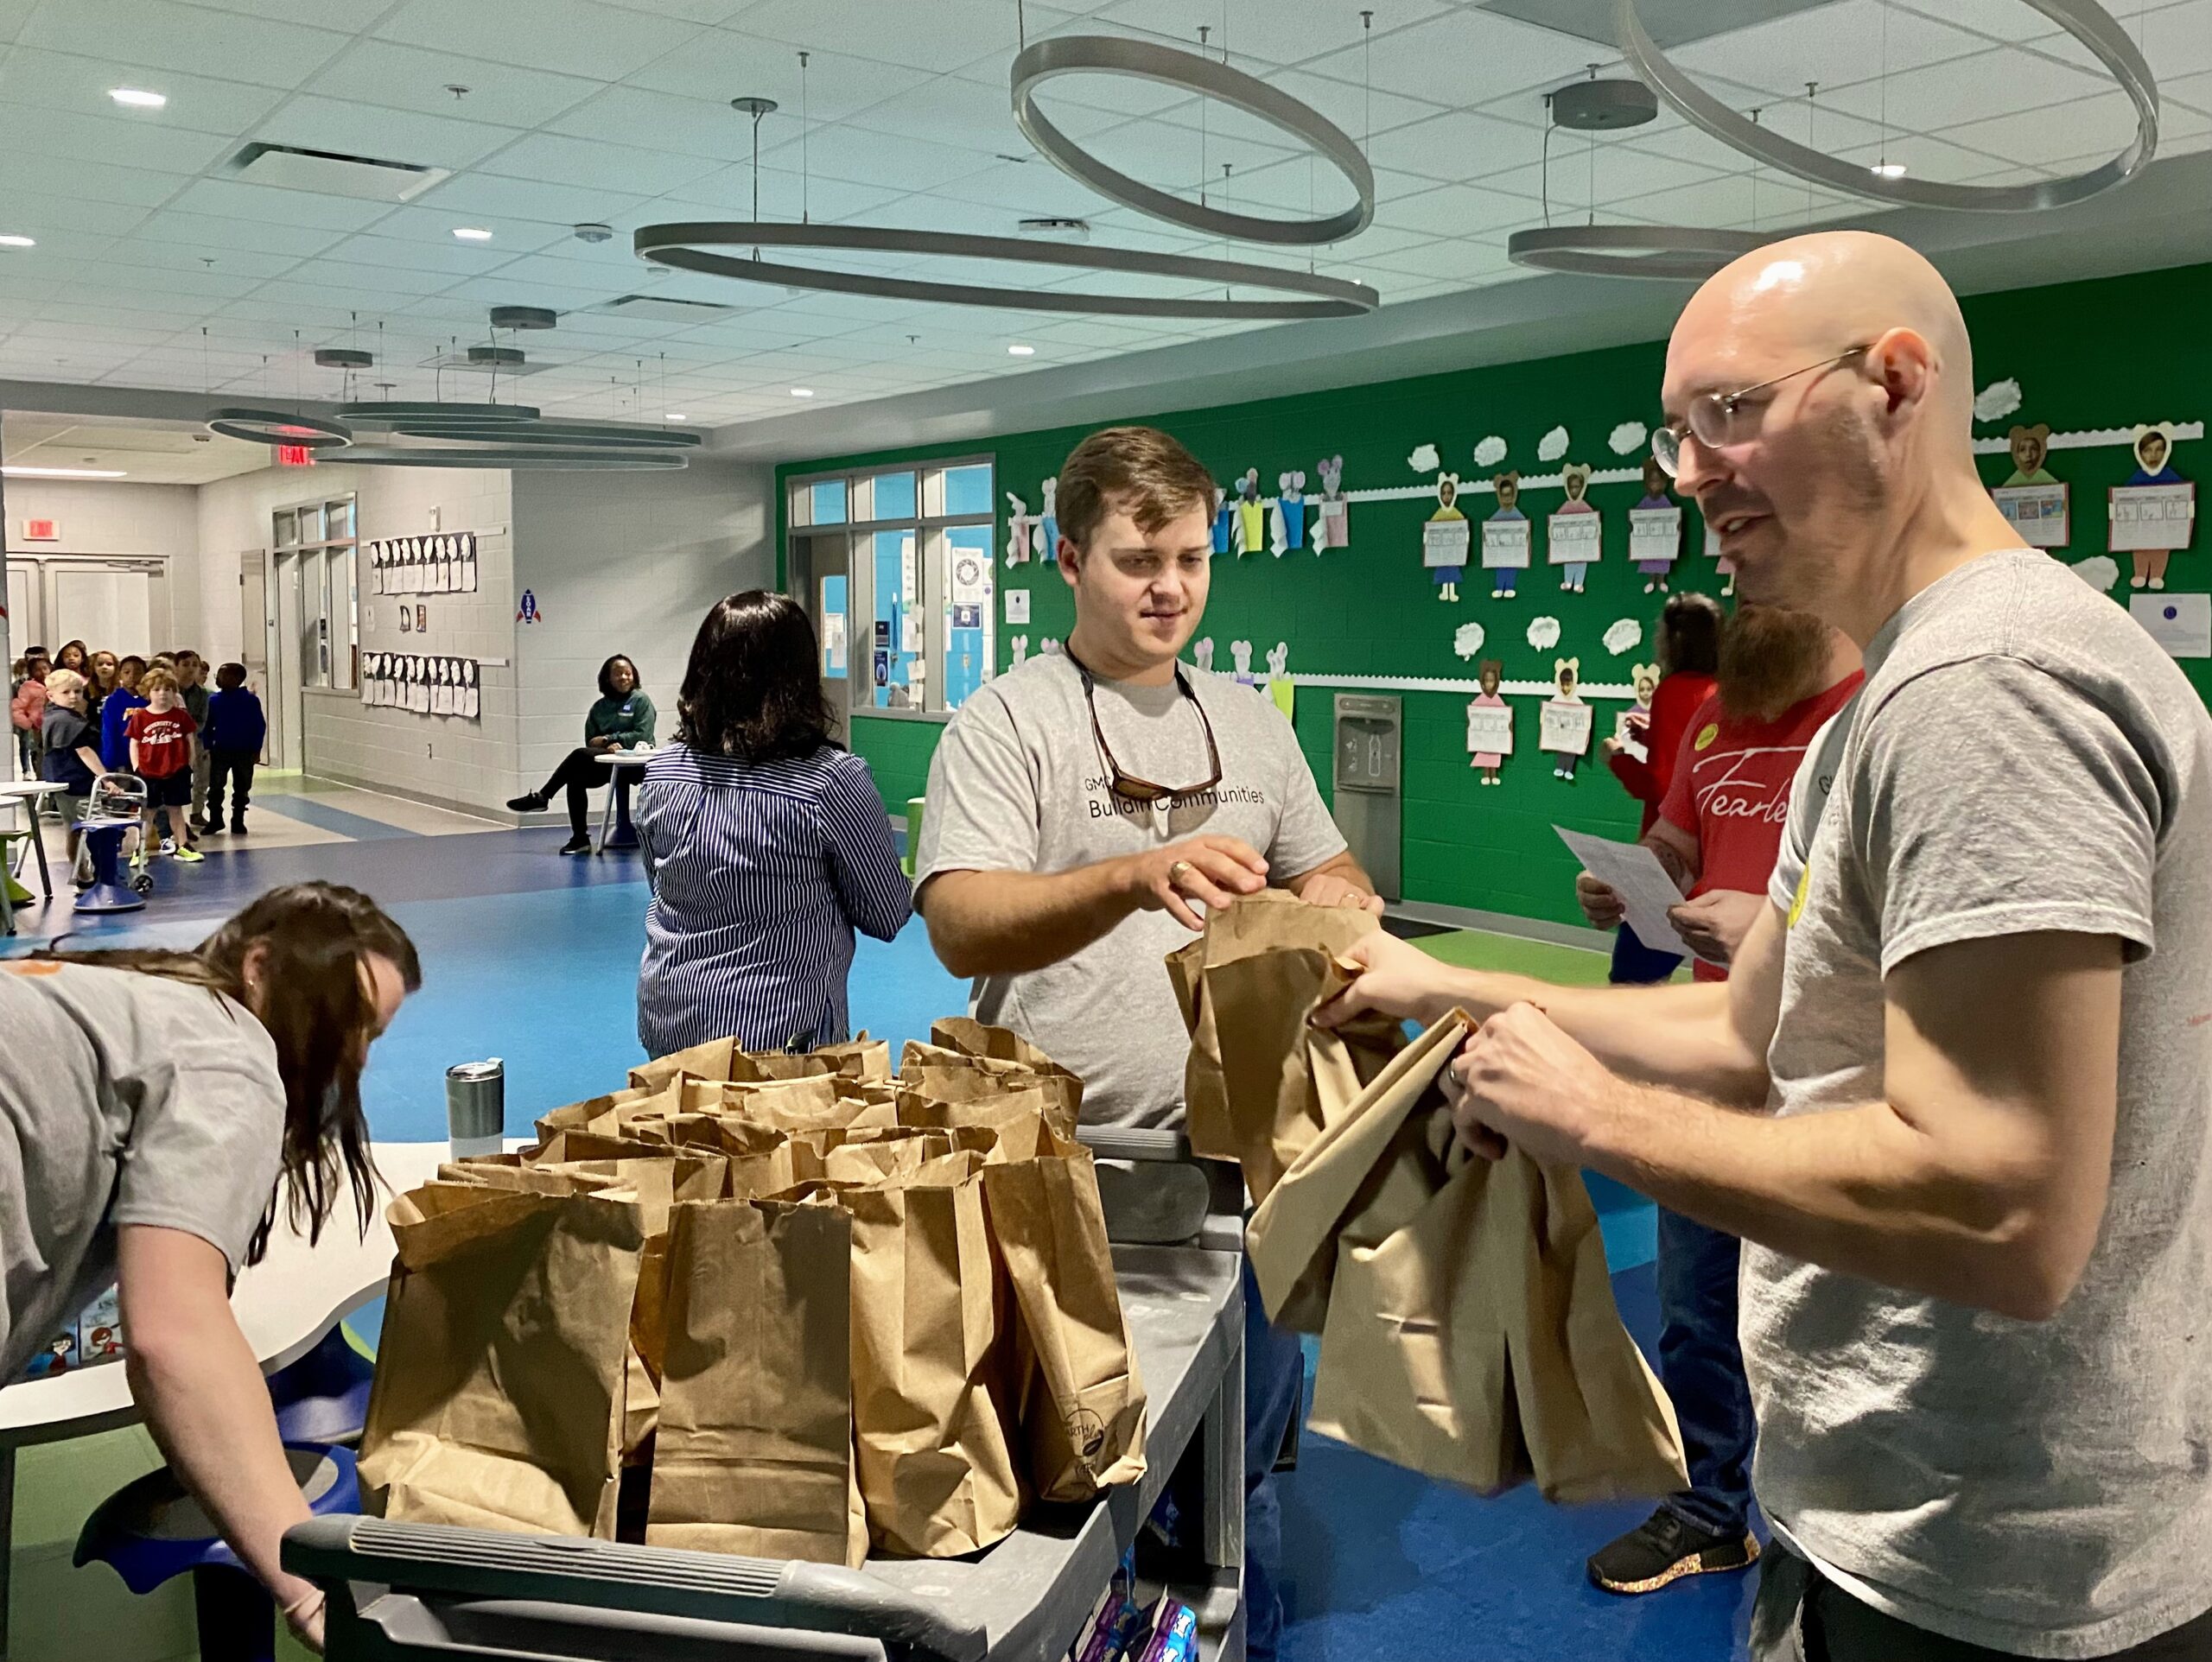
x=1689, y=653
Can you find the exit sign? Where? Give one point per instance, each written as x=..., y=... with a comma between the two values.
x=295, y=455
x=41, y=531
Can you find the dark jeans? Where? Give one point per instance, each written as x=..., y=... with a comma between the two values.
x=1802, y=1616
x=1638, y=965
x=579, y=771
x=1700, y=1361
x=1275, y=1389
x=235, y=766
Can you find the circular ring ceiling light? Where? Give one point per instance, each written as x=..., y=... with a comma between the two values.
x=2086, y=20
x=257, y=426
x=424, y=414
x=1689, y=253
x=1107, y=54
x=520, y=456
x=570, y=433
x=679, y=246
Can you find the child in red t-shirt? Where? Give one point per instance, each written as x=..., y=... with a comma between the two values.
x=163, y=737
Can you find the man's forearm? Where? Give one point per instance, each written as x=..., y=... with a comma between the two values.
x=1857, y=1189
x=1011, y=923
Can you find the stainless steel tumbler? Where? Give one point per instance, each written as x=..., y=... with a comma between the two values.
x=476, y=1107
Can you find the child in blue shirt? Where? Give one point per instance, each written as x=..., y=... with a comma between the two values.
x=115, y=711
x=236, y=727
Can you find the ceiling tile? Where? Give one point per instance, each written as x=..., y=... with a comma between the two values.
x=1613, y=171
x=399, y=77
x=936, y=38
x=2039, y=137
x=573, y=37
x=231, y=198
x=251, y=236
x=1458, y=210
x=13, y=15
x=1179, y=159
x=430, y=224
x=1834, y=45
x=192, y=39
x=560, y=160
x=315, y=122
x=690, y=11
x=57, y=80
x=849, y=153
x=722, y=64
x=1996, y=83
x=1257, y=33
x=1440, y=59
x=162, y=253
x=947, y=107
x=729, y=195
x=415, y=253
x=64, y=175
x=110, y=142
x=32, y=214
x=665, y=121
x=471, y=198
x=1026, y=188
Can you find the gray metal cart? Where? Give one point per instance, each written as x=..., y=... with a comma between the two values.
x=411, y=1593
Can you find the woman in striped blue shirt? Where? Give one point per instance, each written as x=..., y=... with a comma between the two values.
x=768, y=843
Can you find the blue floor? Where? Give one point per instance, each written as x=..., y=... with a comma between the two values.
x=533, y=958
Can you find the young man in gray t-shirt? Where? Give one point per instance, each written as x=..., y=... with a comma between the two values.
x=1957, y=1094
x=1083, y=812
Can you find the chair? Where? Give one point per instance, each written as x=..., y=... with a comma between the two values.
x=914, y=806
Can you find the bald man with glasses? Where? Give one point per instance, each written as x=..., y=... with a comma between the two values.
x=1085, y=811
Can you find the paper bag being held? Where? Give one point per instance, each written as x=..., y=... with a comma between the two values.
x=1082, y=1403
x=755, y=1451
x=499, y=1386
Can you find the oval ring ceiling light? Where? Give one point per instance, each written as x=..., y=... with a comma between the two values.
x=1688, y=253
x=519, y=456
x=1105, y=55
x=570, y=433
x=428, y=414
x=2086, y=20
x=257, y=426
x=679, y=246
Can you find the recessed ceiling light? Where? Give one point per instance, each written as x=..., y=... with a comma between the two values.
x=1888, y=170
x=802, y=392
x=676, y=418
x=137, y=99
x=1020, y=351
x=63, y=472
x=12, y=240
x=472, y=233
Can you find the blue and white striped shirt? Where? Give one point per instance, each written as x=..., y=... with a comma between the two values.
x=762, y=872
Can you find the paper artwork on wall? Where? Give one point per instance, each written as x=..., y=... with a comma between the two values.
x=1424, y=459
x=1490, y=451
x=2039, y=506
x=1048, y=646
x=1289, y=517
x=406, y=619
x=1467, y=639
x=1444, y=539
x=1630, y=726
x=1505, y=537
x=2099, y=571
x=443, y=564
x=1628, y=438
x=1222, y=513
x=1997, y=401
x=1654, y=529
x=1019, y=647
x=1017, y=605
x=1240, y=653
x=424, y=686
x=1202, y=653
x=1280, y=688
x=1019, y=527
x=1543, y=633
x=1576, y=532
x=1553, y=445
x=1251, y=526
x=1333, y=528
x=2181, y=624
x=1567, y=719
x=1047, y=542
x=2155, y=512
x=1624, y=635
x=1490, y=723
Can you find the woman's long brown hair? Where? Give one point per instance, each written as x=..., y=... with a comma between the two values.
x=315, y=937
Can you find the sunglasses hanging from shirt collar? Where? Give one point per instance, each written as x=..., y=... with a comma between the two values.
x=1128, y=786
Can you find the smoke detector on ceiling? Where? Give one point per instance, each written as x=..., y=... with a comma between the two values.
x=593, y=232
x=524, y=317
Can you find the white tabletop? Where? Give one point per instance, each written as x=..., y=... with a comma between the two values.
x=285, y=1306
x=628, y=759
x=31, y=787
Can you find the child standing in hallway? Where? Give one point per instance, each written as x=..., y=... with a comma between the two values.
x=162, y=736
x=236, y=727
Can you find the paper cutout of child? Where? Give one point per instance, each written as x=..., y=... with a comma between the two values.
x=1488, y=762
x=1566, y=675
x=1656, y=494
x=2154, y=449
x=2030, y=445
x=1575, y=476
x=1447, y=578
x=1508, y=486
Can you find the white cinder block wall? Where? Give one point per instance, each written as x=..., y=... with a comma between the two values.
x=629, y=563
x=99, y=517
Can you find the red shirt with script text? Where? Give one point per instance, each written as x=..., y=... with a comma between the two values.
x=1731, y=789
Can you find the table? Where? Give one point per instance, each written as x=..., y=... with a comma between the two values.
x=31, y=793
x=285, y=1306
x=618, y=760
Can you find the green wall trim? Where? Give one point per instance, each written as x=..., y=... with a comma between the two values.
x=1371, y=609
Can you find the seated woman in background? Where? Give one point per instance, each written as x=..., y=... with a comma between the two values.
x=160, y=1113
x=623, y=718
x=768, y=842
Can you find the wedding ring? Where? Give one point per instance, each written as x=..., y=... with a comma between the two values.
x=1175, y=871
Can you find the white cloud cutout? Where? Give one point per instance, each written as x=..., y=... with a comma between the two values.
x=1623, y=636
x=1628, y=438
x=2100, y=571
x=1490, y=452
x=1424, y=459
x=1468, y=640
x=1997, y=400
x=1543, y=633
x=1553, y=445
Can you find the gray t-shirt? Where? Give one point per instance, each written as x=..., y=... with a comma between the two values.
x=1019, y=785
x=2022, y=757
x=125, y=1098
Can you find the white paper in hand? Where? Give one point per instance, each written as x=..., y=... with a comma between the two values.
x=1633, y=872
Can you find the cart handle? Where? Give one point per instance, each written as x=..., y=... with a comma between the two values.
x=766, y=1593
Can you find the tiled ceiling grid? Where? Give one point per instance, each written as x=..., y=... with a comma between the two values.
x=581, y=110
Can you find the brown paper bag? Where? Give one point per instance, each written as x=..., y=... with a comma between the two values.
x=710, y=1061
x=961, y=1044
x=499, y=1386
x=931, y=1412
x=1261, y=1081
x=755, y=1451
x=1470, y=1329
x=1081, y=1404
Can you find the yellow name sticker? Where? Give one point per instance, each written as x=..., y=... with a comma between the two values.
x=1711, y=732
x=1804, y=888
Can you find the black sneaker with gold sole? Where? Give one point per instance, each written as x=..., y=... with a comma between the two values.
x=1663, y=1550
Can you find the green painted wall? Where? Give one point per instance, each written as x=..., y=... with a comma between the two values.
x=1370, y=609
